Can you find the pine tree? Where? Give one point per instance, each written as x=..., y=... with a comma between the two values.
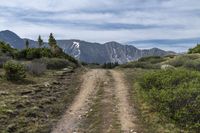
x=40, y=42
x=56, y=50
x=52, y=41
x=27, y=44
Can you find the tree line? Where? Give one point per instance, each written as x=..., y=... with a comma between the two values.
x=51, y=41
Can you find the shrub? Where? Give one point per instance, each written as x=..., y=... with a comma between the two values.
x=109, y=65
x=3, y=60
x=152, y=59
x=14, y=70
x=167, y=79
x=6, y=49
x=193, y=64
x=175, y=94
x=184, y=60
x=36, y=68
x=33, y=53
x=195, y=49
x=144, y=65
x=170, y=56
x=56, y=63
x=68, y=57
x=177, y=62
x=36, y=53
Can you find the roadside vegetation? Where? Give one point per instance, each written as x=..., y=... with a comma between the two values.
x=166, y=91
x=36, y=86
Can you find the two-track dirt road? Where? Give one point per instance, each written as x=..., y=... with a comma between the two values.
x=113, y=83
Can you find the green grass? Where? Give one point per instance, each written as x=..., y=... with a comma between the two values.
x=176, y=95
x=150, y=62
x=166, y=109
x=93, y=120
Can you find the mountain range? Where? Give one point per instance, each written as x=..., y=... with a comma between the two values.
x=90, y=52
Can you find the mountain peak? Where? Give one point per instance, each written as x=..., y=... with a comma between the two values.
x=6, y=31
x=8, y=34
x=11, y=38
x=112, y=42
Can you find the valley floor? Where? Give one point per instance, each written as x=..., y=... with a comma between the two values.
x=102, y=106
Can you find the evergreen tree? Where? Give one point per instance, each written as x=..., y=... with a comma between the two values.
x=56, y=50
x=40, y=42
x=52, y=41
x=27, y=44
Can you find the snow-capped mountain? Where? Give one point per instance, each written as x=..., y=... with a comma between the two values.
x=108, y=52
x=90, y=52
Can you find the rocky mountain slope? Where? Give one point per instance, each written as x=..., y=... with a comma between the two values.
x=90, y=52
x=108, y=52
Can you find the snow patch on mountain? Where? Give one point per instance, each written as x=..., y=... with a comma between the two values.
x=114, y=56
x=76, y=50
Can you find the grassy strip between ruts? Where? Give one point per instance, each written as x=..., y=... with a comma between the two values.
x=102, y=115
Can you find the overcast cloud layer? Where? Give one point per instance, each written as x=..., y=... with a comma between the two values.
x=168, y=24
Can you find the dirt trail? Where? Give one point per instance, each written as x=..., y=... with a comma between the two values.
x=126, y=115
x=70, y=121
x=115, y=112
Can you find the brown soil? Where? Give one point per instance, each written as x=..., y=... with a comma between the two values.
x=116, y=114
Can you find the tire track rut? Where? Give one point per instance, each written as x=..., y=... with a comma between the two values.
x=70, y=121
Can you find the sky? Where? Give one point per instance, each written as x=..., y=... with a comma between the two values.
x=167, y=24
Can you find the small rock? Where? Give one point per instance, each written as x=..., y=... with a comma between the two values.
x=105, y=83
x=132, y=131
x=11, y=128
x=19, y=106
x=56, y=83
x=66, y=69
x=26, y=92
x=167, y=67
x=38, y=90
x=3, y=93
x=46, y=84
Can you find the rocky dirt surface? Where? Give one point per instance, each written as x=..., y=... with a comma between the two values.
x=102, y=106
x=34, y=106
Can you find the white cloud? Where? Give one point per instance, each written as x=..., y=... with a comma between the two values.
x=74, y=19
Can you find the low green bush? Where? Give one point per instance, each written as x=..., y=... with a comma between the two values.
x=175, y=94
x=3, y=60
x=195, y=49
x=6, y=49
x=144, y=65
x=14, y=70
x=180, y=60
x=36, y=53
x=109, y=65
x=149, y=62
x=33, y=53
x=192, y=64
x=152, y=59
x=70, y=58
x=56, y=63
